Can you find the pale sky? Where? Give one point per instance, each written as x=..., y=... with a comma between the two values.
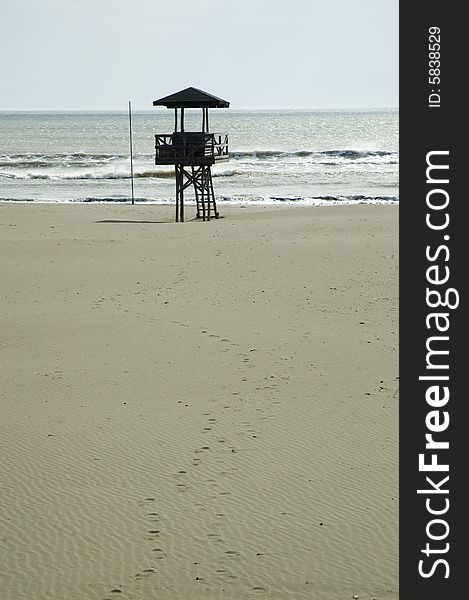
x=98, y=54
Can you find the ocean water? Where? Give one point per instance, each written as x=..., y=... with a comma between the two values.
x=288, y=157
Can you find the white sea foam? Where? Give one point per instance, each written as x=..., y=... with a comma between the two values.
x=79, y=166
x=229, y=200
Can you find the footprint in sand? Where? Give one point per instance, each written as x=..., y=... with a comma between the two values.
x=141, y=575
x=145, y=501
x=159, y=554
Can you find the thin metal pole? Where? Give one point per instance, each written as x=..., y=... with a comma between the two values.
x=131, y=153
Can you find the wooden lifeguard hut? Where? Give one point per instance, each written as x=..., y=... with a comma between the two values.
x=192, y=152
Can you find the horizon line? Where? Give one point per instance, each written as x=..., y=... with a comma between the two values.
x=152, y=110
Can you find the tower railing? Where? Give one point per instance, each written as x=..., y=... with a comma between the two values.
x=190, y=148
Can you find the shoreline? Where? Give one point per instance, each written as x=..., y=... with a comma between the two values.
x=317, y=202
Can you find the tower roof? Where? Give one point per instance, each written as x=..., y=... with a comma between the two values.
x=191, y=98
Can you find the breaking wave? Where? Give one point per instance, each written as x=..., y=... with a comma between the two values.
x=166, y=174
x=85, y=176
x=350, y=154
x=76, y=159
x=83, y=166
x=82, y=159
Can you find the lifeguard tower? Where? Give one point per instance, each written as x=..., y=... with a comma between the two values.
x=192, y=152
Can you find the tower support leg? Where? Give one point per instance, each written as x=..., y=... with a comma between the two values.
x=178, y=185
x=196, y=191
x=179, y=194
x=212, y=195
x=181, y=202
x=202, y=191
x=207, y=175
x=200, y=177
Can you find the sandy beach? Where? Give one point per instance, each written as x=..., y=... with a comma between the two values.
x=199, y=410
